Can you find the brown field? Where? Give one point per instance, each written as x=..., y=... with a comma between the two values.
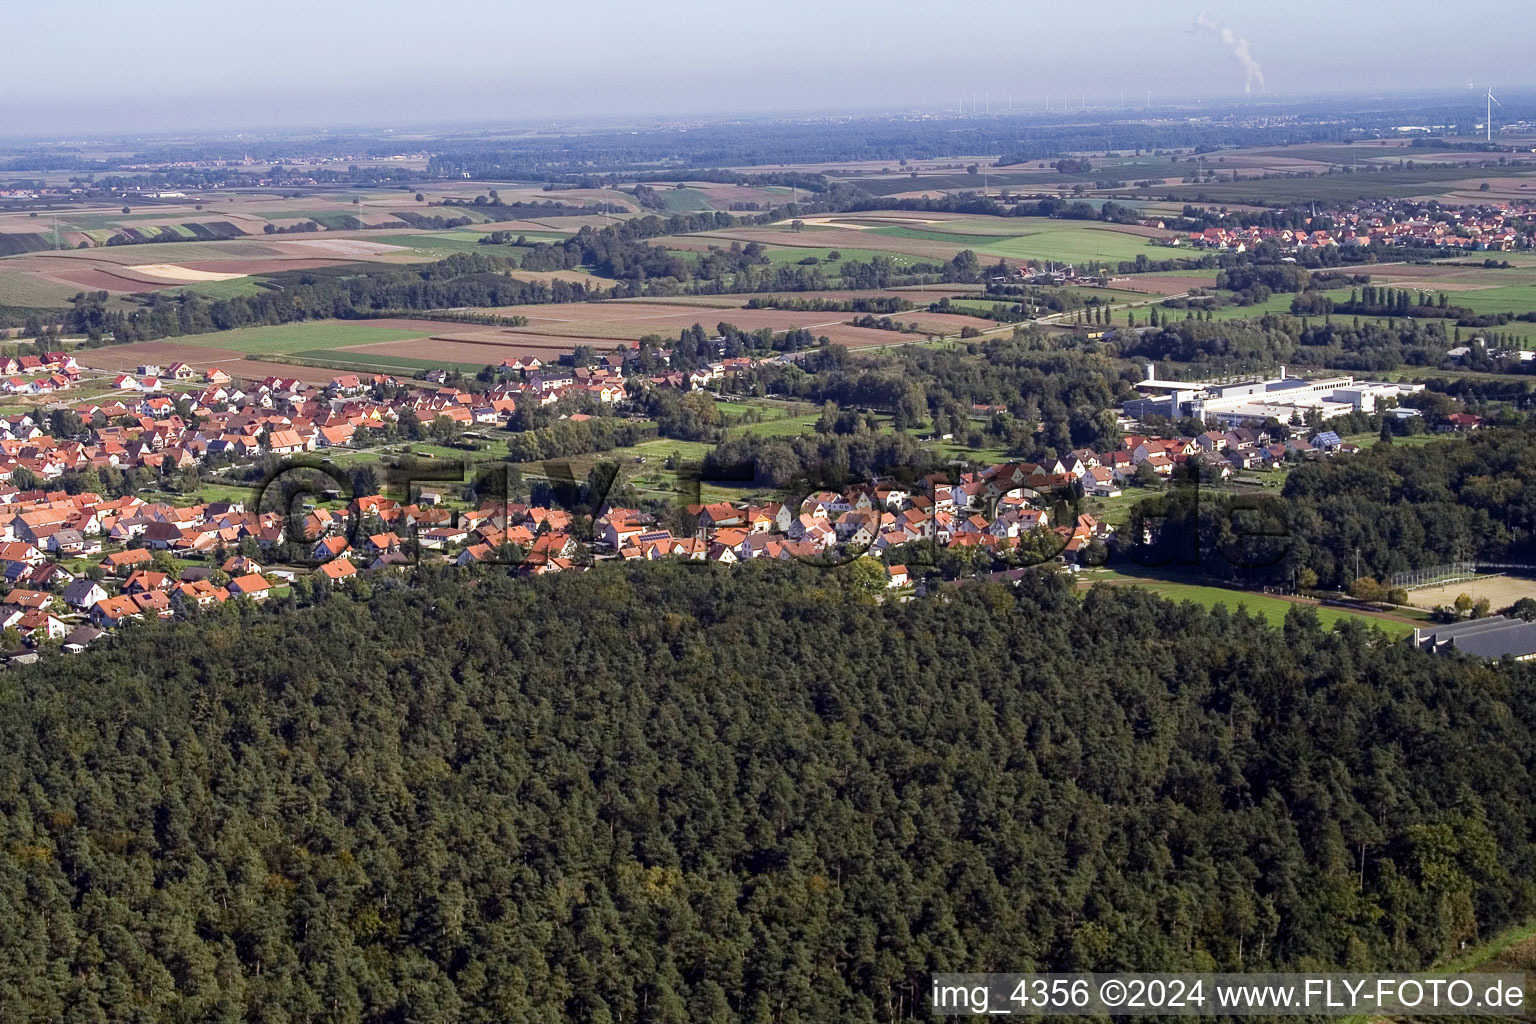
x=631, y=321
x=172, y=252
x=1501, y=591
x=103, y=279
x=868, y=337
x=690, y=301
x=1160, y=285
x=271, y=266
x=118, y=358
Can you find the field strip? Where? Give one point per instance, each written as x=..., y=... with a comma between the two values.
x=172, y=272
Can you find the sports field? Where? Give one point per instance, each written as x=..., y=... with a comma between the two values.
x=1501, y=591
x=1273, y=609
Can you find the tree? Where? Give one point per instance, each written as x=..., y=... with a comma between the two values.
x=1365, y=588
x=868, y=575
x=365, y=480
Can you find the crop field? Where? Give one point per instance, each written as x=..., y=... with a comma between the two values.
x=445, y=351
x=120, y=358
x=366, y=361
x=1166, y=284
x=300, y=337
x=819, y=239
x=1074, y=242
x=1420, y=181
x=779, y=255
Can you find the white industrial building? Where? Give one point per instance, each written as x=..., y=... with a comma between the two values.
x=1282, y=398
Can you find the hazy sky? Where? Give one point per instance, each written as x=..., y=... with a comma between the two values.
x=104, y=64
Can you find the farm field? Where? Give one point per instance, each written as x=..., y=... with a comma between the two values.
x=1394, y=183
x=121, y=358
x=1074, y=242
x=609, y=322
x=929, y=239
x=313, y=335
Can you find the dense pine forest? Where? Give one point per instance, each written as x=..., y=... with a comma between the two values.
x=671, y=793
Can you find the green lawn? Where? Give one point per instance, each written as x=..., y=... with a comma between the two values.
x=784, y=426
x=1278, y=303
x=283, y=339
x=1273, y=609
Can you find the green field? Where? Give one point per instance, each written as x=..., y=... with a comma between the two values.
x=1073, y=242
x=369, y=362
x=788, y=254
x=684, y=200
x=1280, y=303
x=33, y=290
x=1515, y=298
x=1273, y=609
x=226, y=289
x=955, y=237
x=439, y=245
x=317, y=337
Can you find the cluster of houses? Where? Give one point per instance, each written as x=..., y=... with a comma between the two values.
x=54, y=558
x=158, y=429
x=1478, y=229
x=1220, y=453
x=47, y=374
x=79, y=565
x=994, y=509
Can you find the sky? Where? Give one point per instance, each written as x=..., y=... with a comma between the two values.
x=107, y=66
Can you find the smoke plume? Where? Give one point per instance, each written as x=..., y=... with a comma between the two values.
x=1238, y=46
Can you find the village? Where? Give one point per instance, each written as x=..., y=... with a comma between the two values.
x=81, y=564
x=1492, y=228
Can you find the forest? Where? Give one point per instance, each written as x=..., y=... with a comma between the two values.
x=1399, y=507
x=682, y=793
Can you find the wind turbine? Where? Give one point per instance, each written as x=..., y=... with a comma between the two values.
x=1488, y=124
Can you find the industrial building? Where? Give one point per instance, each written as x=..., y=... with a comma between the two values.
x=1496, y=636
x=1281, y=398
